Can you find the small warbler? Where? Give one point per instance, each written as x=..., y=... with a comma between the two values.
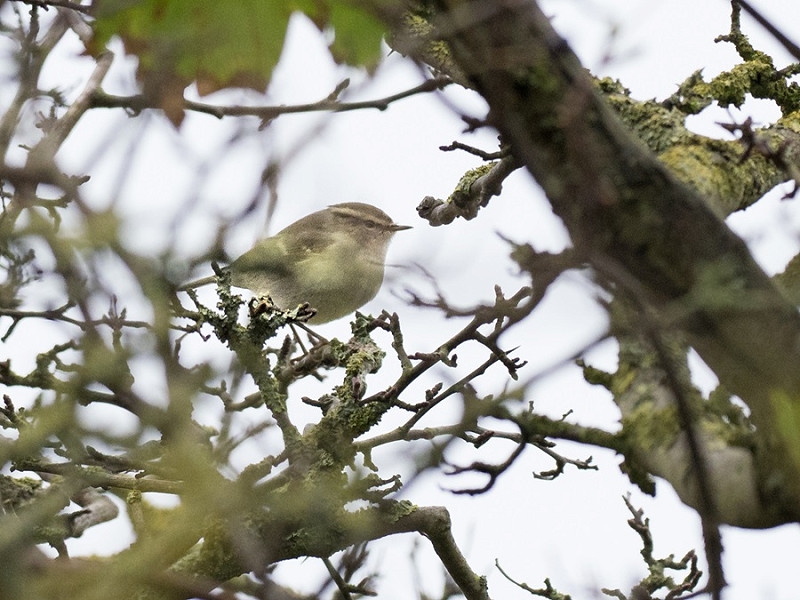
x=332, y=259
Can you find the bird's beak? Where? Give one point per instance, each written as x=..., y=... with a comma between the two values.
x=396, y=227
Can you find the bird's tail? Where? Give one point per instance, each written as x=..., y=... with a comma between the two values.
x=197, y=283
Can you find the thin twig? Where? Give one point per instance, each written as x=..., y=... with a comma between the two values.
x=138, y=103
x=86, y=10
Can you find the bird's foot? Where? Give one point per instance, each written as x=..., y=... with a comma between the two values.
x=302, y=313
x=261, y=305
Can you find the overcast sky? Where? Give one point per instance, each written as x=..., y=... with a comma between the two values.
x=572, y=530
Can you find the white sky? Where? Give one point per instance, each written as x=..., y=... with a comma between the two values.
x=572, y=530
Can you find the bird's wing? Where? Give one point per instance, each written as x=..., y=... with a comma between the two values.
x=272, y=254
x=302, y=241
x=268, y=255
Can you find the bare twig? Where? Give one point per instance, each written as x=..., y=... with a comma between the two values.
x=138, y=103
x=790, y=46
x=76, y=6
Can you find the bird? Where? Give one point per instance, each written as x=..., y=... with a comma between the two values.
x=332, y=259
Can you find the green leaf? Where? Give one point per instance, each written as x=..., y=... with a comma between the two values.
x=216, y=43
x=224, y=43
x=358, y=35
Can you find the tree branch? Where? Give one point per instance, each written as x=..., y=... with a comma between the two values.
x=620, y=203
x=136, y=104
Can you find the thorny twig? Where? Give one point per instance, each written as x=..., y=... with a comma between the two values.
x=493, y=471
x=657, y=578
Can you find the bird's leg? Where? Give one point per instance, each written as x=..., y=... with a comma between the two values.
x=297, y=338
x=300, y=315
x=313, y=335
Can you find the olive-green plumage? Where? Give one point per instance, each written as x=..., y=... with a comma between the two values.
x=333, y=259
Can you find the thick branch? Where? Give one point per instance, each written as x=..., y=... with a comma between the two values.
x=208, y=558
x=624, y=208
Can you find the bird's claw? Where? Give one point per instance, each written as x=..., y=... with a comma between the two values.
x=302, y=313
x=259, y=306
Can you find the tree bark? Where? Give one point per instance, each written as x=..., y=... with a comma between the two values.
x=641, y=228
